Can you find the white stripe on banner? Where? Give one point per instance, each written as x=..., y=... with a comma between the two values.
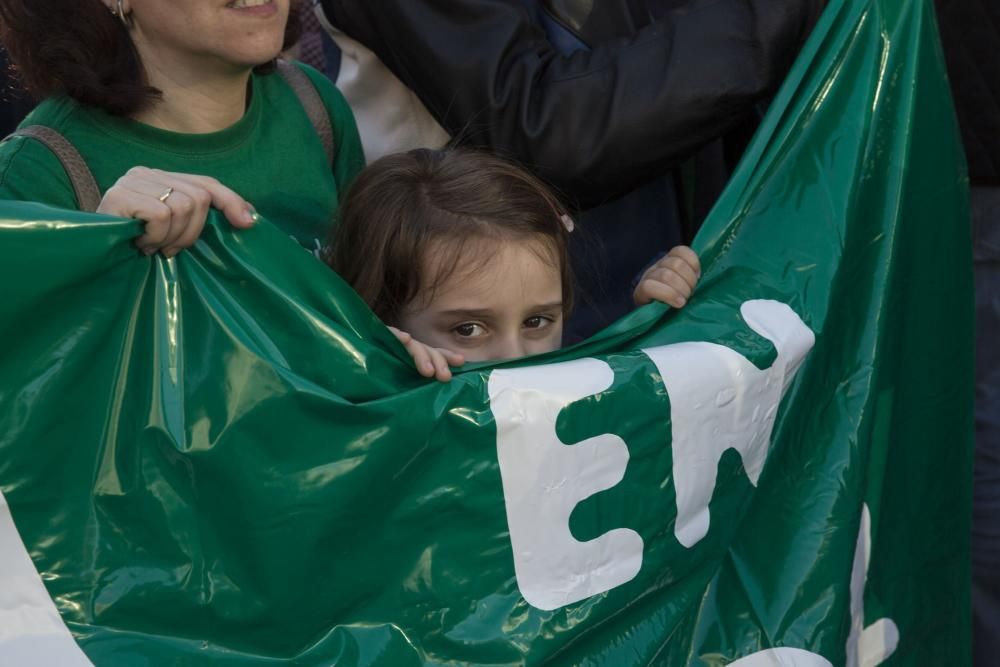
x=32, y=633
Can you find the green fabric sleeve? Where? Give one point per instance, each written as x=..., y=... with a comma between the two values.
x=29, y=171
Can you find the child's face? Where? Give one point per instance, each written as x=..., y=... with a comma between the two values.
x=502, y=304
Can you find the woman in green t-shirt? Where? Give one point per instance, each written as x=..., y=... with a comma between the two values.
x=175, y=107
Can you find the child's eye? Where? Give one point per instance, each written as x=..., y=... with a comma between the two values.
x=536, y=322
x=469, y=330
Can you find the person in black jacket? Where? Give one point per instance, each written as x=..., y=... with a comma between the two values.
x=970, y=32
x=604, y=99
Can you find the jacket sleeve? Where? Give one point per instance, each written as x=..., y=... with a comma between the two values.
x=594, y=123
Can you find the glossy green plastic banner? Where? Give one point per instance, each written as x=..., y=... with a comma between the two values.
x=224, y=458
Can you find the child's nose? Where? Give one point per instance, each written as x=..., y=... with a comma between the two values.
x=510, y=347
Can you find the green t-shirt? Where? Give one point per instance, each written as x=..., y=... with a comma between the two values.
x=272, y=156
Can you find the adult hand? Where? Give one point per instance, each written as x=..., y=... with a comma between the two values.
x=671, y=280
x=430, y=361
x=174, y=207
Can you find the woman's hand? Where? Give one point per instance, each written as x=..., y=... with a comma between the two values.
x=671, y=280
x=430, y=361
x=173, y=206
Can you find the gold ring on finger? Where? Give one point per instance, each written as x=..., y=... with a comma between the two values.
x=166, y=195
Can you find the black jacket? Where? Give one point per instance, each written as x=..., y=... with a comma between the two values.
x=970, y=30
x=661, y=78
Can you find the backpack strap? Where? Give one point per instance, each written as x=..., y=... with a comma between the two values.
x=312, y=102
x=88, y=195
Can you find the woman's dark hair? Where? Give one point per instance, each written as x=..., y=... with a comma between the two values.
x=404, y=206
x=79, y=48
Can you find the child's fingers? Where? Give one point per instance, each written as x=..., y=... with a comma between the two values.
x=423, y=358
x=440, y=364
x=682, y=283
x=654, y=290
x=401, y=336
x=419, y=353
x=453, y=358
x=689, y=256
x=672, y=268
x=671, y=280
x=431, y=362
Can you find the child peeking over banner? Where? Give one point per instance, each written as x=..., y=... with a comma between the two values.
x=465, y=257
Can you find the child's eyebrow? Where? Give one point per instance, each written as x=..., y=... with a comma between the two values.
x=486, y=313
x=467, y=312
x=555, y=305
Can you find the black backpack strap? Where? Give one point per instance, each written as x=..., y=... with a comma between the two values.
x=312, y=102
x=88, y=195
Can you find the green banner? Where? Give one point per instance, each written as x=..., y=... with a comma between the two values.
x=225, y=459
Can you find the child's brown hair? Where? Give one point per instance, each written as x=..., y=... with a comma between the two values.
x=401, y=206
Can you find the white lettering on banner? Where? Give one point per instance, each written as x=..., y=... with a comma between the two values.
x=32, y=632
x=782, y=657
x=867, y=646
x=543, y=480
x=719, y=400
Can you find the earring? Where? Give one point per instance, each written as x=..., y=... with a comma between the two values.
x=120, y=13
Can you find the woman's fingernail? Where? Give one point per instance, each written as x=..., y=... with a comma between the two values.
x=252, y=217
x=148, y=251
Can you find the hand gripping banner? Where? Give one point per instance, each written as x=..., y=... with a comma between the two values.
x=224, y=458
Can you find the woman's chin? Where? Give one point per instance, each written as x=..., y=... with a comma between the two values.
x=254, y=57
x=250, y=60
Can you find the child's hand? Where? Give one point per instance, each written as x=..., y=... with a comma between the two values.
x=431, y=362
x=671, y=280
